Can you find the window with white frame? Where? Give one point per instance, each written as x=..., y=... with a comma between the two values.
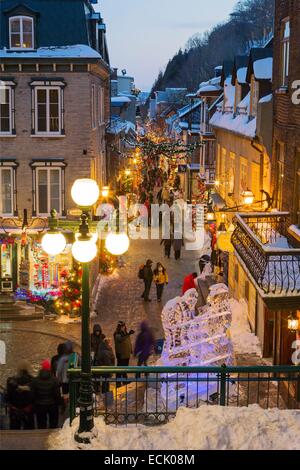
x=7, y=125
x=93, y=107
x=48, y=110
x=21, y=32
x=48, y=190
x=6, y=191
x=285, y=52
x=101, y=106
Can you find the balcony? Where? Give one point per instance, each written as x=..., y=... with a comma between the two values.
x=263, y=247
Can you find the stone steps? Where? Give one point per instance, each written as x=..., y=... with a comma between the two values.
x=24, y=440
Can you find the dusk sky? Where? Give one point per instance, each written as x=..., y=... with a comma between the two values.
x=144, y=34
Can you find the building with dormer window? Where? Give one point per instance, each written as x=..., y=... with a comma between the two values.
x=54, y=89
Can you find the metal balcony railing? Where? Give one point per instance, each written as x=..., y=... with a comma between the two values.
x=151, y=395
x=261, y=242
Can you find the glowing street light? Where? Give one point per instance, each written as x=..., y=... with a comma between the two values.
x=85, y=192
x=53, y=242
x=117, y=243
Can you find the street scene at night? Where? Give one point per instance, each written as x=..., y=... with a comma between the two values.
x=149, y=227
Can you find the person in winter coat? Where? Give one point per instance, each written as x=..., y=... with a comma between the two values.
x=189, y=282
x=123, y=346
x=167, y=243
x=19, y=396
x=56, y=358
x=47, y=397
x=104, y=356
x=144, y=344
x=148, y=278
x=161, y=279
x=177, y=246
x=96, y=338
x=70, y=359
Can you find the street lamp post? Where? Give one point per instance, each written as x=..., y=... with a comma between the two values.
x=85, y=193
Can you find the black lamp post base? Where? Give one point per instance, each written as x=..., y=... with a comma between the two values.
x=85, y=437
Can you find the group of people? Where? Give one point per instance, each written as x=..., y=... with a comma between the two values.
x=159, y=276
x=38, y=400
x=103, y=354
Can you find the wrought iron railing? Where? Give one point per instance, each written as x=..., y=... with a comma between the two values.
x=261, y=242
x=151, y=395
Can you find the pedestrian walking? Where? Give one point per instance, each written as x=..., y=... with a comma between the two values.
x=19, y=396
x=56, y=358
x=104, y=356
x=47, y=398
x=161, y=279
x=123, y=347
x=165, y=195
x=96, y=338
x=167, y=243
x=144, y=344
x=177, y=246
x=189, y=282
x=147, y=278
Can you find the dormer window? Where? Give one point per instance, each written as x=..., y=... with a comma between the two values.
x=21, y=32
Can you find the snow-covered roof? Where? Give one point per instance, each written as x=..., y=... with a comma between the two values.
x=117, y=126
x=241, y=75
x=229, y=93
x=239, y=124
x=263, y=69
x=73, y=52
x=119, y=100
x=266, y=99
x=188, y=108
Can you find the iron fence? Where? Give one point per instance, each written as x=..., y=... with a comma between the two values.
x=151, y=395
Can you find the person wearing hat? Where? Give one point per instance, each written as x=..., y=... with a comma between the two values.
x=148, y=278
x=123, y=347
x=47, y=397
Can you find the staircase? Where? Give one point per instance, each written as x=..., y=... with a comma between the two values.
x=24, y=440
x=10, y=310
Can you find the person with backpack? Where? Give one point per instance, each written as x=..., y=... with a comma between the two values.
x=161, y=278
x=19, y=396
x=69, y=360
x=47, y=397
x=146, y=274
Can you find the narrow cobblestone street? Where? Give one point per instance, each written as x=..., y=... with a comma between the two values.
x=120, y=299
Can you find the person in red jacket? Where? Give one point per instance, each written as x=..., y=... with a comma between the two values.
x=189, y=282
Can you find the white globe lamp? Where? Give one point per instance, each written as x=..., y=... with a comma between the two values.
x=84, y=251
x=117, y=243
x=85, y=192
x=53, y=243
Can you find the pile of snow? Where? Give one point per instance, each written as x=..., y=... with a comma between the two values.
x=244, y=342
x=206, y=428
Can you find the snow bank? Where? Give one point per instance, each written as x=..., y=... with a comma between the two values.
x=207, y=428
x=74, y=52
x=244, y=342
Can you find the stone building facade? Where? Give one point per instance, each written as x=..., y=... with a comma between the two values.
x=55, y=106
x=286, y=146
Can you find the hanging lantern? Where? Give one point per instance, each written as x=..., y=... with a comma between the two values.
x=248, y=197
x=293, y=323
